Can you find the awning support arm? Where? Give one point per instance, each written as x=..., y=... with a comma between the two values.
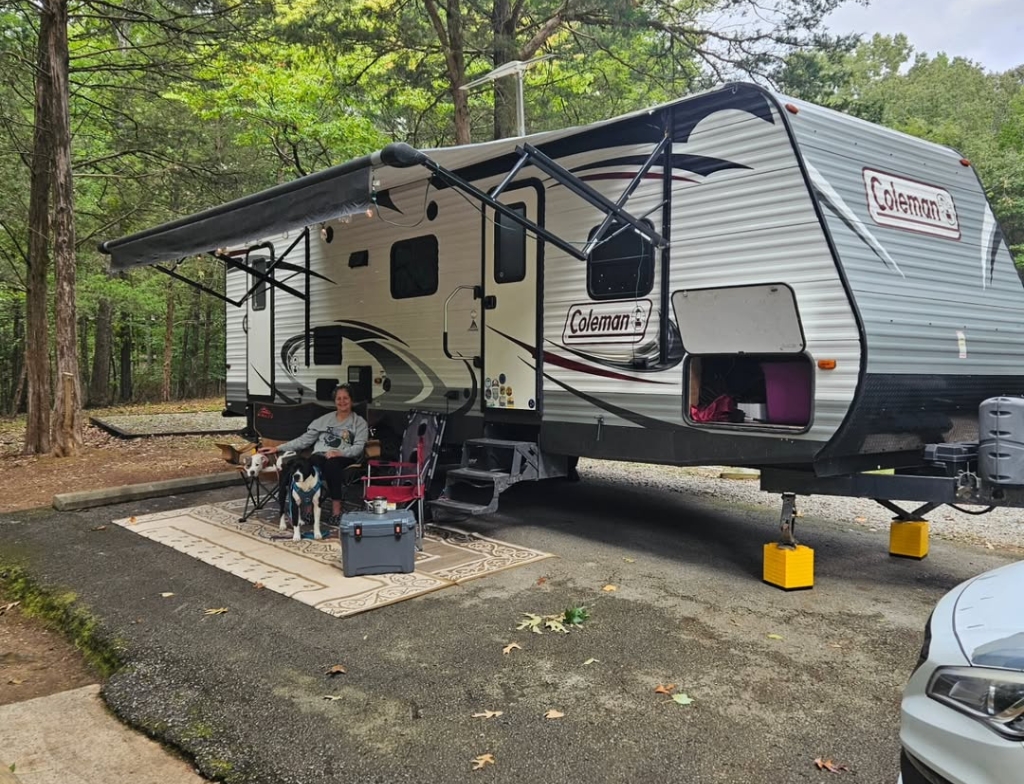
x=621, y=202
x=200, y=286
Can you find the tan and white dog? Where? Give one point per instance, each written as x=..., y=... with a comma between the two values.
x=256, y=463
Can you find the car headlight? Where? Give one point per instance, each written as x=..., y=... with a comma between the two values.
x=993, y=697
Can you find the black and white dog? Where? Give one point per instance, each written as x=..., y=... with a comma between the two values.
x=305, y=488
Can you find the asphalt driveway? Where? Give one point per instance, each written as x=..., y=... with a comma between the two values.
x=777, y=679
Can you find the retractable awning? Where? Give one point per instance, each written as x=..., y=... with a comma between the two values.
x=362, y=183
x=326, y=195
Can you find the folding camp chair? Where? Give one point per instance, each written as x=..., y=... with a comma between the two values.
x=260, y=490
x=404, y=482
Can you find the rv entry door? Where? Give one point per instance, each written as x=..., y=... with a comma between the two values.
x=259, y=338
x=511, y=341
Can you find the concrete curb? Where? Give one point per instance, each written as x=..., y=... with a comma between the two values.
x=87, y=499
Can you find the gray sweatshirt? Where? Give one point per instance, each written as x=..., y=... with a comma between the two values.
x=327, y=434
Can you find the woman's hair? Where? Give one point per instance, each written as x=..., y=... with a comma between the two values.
x=342, y=387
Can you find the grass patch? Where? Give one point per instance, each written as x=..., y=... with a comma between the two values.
x=58, y=609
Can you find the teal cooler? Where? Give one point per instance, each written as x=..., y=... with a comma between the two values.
x=378, y=543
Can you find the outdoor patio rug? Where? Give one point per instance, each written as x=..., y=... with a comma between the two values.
x=309, y=570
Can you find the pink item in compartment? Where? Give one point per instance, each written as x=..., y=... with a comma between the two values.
x=788, y=392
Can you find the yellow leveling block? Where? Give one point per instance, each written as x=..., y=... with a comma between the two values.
x=787, y=567
x=908, y=539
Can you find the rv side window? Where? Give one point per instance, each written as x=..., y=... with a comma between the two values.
x=259, y=294
x=620, y=267
x=509, y=247
x=414, y=267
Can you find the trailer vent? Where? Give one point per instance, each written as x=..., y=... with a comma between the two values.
x=327, y=345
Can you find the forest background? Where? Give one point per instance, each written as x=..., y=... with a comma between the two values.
x=117, y=115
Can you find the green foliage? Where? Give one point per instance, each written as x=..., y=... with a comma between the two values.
x=953, y=102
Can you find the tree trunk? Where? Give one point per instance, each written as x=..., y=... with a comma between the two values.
x=503, y=25
x=165, y=390
x=17, y=363
x=37, y=344
x=18, y=390
x=125, y=336
x=207, y=337
x=99, y=384
x=67, y=411
x=83, y=349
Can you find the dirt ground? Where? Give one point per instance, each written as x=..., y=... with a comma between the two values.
x=105, y=460
x=36, y=661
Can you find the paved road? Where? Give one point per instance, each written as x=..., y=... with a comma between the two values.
x=243, y=692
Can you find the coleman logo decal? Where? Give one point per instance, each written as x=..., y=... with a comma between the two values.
x=911, y=205
x=607, y=322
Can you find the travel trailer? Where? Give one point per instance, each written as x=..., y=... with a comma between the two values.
x=734, y=278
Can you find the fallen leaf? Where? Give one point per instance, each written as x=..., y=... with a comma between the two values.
x=682, y=698
x=99, y=528
x=167, y=594
x=483, y=759
x=8, y=606
x=512, y=646
x=541, y=580
x=332, y=697
x=829, y=765
x=860, y=519
x=610, y=588
x=216, y=611
x=556, y=625
x=336, y=669
x=16, y=681
x=553, y=714
x=834, y=645
x=629, y=560
x=774, y=636
x=258, y=585
x=532, y=622
x=591, y=661
x=663, y=689
x=132, y=520
x=487, y=714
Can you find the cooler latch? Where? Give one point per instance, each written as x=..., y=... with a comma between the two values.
x=398, y=530
x=358, y=532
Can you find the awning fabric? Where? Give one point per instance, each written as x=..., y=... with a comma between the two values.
x=346, y=189
x=325, y=195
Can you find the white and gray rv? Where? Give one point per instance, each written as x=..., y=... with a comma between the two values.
x=732, y=278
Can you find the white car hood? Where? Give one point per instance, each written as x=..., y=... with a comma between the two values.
x=988, y=619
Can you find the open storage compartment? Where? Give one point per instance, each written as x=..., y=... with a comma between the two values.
x=749, y=389
x=746, y=356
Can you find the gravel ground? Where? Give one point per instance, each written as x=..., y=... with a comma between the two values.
x=165, y=424
x=1001, y=528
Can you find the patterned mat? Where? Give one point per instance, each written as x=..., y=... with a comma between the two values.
x=309, y=570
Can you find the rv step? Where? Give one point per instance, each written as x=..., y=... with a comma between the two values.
x=476, y=474
x=499, y=442
x=448, y=506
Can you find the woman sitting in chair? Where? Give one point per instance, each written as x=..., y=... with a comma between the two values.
x=338, y=440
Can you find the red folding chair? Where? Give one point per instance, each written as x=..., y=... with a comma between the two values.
x=404, y=482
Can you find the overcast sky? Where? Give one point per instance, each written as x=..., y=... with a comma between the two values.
x=989, y=32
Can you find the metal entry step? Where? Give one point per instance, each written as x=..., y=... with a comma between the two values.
x=489, y=467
